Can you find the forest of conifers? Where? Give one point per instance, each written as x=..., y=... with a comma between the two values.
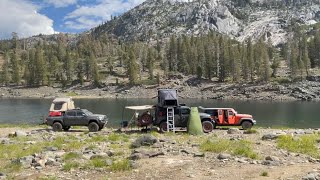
x=211, y=56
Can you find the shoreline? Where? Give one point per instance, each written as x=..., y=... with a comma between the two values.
x=300, y=91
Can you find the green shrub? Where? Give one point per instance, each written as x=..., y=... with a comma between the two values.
x=306, y=144
x=71, y=155
x=264, y=173
x=251, y=131
x=241, y=148
x=98, y=162
x=70, y=165
x=121, y=165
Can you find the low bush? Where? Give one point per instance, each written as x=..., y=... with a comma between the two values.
x=241, y=148
x=305, y=144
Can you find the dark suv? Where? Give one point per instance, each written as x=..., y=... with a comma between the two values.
x=181, y=117
x=77, y=117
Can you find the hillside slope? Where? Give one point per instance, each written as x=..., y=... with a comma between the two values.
x=158, y=19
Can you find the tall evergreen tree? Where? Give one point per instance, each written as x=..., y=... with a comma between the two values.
x=15, y=68
x=133, y=68
x=5, y=75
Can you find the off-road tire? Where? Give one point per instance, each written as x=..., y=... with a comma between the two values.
x=93, y=127
x=57, y=127
x=207, y=126
x=66, y=128
x=246, y=125
x=163, y=127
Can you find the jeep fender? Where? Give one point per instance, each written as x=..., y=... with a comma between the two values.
x=246, y=119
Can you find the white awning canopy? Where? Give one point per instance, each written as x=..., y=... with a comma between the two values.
x=137, y=108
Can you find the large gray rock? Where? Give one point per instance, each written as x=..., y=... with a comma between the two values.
x=223, y=156
x=145, y=140
x=20, y=134
x=233, y=131
x=312, y=176
x=270, y=136
x=272, y=158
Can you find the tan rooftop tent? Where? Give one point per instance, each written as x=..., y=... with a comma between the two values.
x=62, y=104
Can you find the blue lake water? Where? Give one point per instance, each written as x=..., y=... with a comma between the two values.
x=267, y=114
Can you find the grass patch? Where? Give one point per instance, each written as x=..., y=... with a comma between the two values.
x=121, y=165
x=13, y=167
x=241, y=148
x=98, y=138
x=10, y=151
x=264, y=173
x=250, y=131
x=118, y=137
x=71, y=155
x=98, y=162
x=71, y=94
x=305, y=144
x=155, y=134
x=48, y=178
x=70, y=165
x=74, y=145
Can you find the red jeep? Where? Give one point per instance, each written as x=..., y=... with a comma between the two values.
x=229, y=117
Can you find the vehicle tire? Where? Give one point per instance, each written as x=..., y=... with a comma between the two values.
x=145, y=120
x=207, y=126
x=163, y=127
x=66, y=128
x=93, y=127
x=246, y=125
x=57, y=127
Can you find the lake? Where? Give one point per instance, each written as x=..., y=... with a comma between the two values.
x=267, y=114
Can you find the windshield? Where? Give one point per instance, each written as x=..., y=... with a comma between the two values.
x=87, y=112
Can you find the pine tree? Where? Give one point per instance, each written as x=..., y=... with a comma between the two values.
x=265, y=63
x=68, y=65
x=15, y=68
x=5, y=75
x=40, y=67
x=172, y=54
x=250, y=57
x=305, y=55
x=133, y=68
x=150, y=63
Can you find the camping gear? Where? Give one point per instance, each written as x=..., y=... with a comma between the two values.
x=61, y=105
x=194, y=123
x=143, y=120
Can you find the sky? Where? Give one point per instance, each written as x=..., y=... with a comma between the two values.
x=33, y=17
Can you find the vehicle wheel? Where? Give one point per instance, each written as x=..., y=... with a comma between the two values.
x=207, y=126
x=163, y=127
x=66, y=128
x=93, y=127
x=57, y=126
x=246, y=125
x=145, y=120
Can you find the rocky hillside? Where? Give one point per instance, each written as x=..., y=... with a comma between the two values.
x=237, y=18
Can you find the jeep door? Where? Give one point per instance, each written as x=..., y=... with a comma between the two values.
x=220, y=116
x=82, y=118
x=231, y=117
x=177, y=119
x=70, y=118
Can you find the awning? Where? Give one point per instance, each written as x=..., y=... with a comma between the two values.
x=143, y=107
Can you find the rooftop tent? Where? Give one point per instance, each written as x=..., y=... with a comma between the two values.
x=62, y=104
x=167, y=97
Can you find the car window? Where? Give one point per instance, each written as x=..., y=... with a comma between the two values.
x=80, y=113
x=211, y=112
x=71, y=113
x=220, y=112
x=230, y=113
x=176, y=111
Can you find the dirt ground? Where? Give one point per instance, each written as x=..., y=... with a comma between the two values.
x=179, y=165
